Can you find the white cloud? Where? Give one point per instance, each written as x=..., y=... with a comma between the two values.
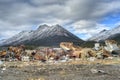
x=117, y=23
x=88, y=28
x=8, y=34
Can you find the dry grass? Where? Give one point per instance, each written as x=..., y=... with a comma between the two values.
x=73, y=69
x=41, y=78
x=97, y=61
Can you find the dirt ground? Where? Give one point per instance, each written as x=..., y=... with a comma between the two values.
x=71, y=70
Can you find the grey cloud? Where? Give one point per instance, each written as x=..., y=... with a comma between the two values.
x=46, y=2
x=91, y=9
x=22, y=14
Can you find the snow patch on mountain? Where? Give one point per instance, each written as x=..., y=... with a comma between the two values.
x=103, y=35
x=43, y=32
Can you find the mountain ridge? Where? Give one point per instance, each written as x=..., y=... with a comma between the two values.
x=106, y=34
x=44, y=35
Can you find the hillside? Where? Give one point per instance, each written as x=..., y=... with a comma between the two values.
x=44, y=36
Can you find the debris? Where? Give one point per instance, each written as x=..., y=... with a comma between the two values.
x=67, y=52
x=95, y=71
x=92, y=59
x=110, y=57
x=101, y=71
x=4, y=68
x=97, y=46
x=111, y=45
x=25, y=58
x=116, y=52
x=99, y=55
x=1, y=62
x=50, y=61
x=63, y=60
x=77, y=59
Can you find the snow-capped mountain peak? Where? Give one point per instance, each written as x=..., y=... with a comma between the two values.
x=44, y=36
x=105, y=34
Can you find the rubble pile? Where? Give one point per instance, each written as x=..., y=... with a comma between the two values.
x=67, y=52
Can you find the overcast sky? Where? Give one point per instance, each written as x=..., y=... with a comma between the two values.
x=82, y=17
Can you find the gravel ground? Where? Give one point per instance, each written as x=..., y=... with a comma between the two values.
x=61, y=71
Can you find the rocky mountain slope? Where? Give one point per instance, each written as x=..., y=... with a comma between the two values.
x=106, y=34
x=44, y=36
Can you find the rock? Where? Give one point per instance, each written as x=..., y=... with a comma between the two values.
x=94, y=71
x=101, y=71
x=4, y=68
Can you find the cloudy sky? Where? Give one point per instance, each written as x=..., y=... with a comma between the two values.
x=82, y=17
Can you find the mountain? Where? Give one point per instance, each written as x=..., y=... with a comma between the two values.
x=115, y=37
x=2, y=40
x=44, y=36
x=105, y=34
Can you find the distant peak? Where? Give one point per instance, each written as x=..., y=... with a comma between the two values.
x=57, y=25
x=23, y=31
x=48, y=26
x=43, y=25
x=103, y=30
x=117, y=27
